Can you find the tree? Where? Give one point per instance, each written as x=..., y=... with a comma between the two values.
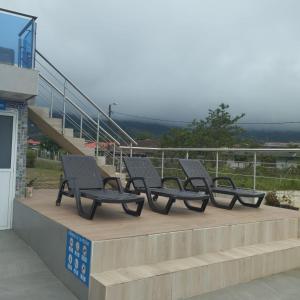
x=143, y=135
x=218, y=129
x=48, y=144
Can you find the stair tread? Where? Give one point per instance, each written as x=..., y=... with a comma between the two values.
x=122, y=275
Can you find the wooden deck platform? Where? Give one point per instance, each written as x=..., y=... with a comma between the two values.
x=111, y=222
x=154, y=256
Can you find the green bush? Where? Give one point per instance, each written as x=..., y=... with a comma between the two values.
x=30, y=158
x=272, y=199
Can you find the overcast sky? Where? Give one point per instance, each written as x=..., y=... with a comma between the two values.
x=174, y=59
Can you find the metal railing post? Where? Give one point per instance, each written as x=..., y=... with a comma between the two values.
x=64, y=110
x=81, y=121
x=121, y=160
x=130, y=149
x=217, y=166
x=162, y=163
x=254, y=171
x=187, y=155
x=114, y=155
x=97, y=137
x=51, y=105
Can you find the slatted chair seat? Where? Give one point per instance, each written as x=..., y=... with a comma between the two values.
x=200, y=180
x=180, y=195
x=238, y=191
x=82, y=178
x=108, y=196
x=145, y=179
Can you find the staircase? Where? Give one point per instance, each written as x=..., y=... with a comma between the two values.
x=70, y=118
x=184, y=264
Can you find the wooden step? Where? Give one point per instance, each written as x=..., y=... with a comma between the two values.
x=195, y=275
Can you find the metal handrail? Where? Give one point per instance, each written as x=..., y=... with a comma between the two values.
x=214, y=149
x=87, y=98
x=79, y=109
x=90, y=138
x=84, y=103
x=217, y=151
x=17, y=13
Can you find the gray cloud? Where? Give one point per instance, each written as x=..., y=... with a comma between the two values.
x=174, y=59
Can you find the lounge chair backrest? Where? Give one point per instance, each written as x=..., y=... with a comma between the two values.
x=85, y=171
x=142, y=167
x=194, y=168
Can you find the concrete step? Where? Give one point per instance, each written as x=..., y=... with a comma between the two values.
x=87, y=151
x=52, y=127
x=42, y=111
x=170, y=245
x=101, y=161
x=196, y=275
x=69, y=132
x=109, y=169
x=55, y=123
x=76, y=141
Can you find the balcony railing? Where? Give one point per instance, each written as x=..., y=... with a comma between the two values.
x=257, y=169
x=17, y=39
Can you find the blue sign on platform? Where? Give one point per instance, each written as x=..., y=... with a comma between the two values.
x=78, y=256
x=2, y=105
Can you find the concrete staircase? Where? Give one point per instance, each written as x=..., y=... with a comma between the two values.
x=179, y=265
x=52, y=127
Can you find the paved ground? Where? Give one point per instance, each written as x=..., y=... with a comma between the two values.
x=284, y=286
x=23, y=275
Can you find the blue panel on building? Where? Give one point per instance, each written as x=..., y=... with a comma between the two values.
x=78, y=256
x=2, y=105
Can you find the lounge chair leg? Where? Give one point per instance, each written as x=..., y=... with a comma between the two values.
x=255, y=205
x=85, y=214
x=60, y=193
x=196, y=208
x=165, y=210
x=224, y=206
x=135, y=213
x=59, y=196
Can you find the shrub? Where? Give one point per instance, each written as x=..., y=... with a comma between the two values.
x=30, y=158
x=272, y=199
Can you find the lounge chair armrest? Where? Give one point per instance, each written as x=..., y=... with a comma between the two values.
x=116, y=180
x=76, y=189
x=169, y=178
x=142, y=179
x=224, y=178
x=190, y=179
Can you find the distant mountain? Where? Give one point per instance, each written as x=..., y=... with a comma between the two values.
x=289, y=136
x=133, y=128
x=155, y=130
x=136, y=128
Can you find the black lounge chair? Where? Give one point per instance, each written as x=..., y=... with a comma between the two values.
x=83, y=179
x=200, y=180
x=145, y=179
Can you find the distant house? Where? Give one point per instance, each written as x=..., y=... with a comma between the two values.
x=33, y=143
x=101, y=145
x=237, y=164
x=147, y=143
x=280, y=145
x=286, y=163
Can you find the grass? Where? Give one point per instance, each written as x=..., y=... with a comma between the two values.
x=47, y=174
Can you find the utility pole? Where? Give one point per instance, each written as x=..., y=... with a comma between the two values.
x=109, y=108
